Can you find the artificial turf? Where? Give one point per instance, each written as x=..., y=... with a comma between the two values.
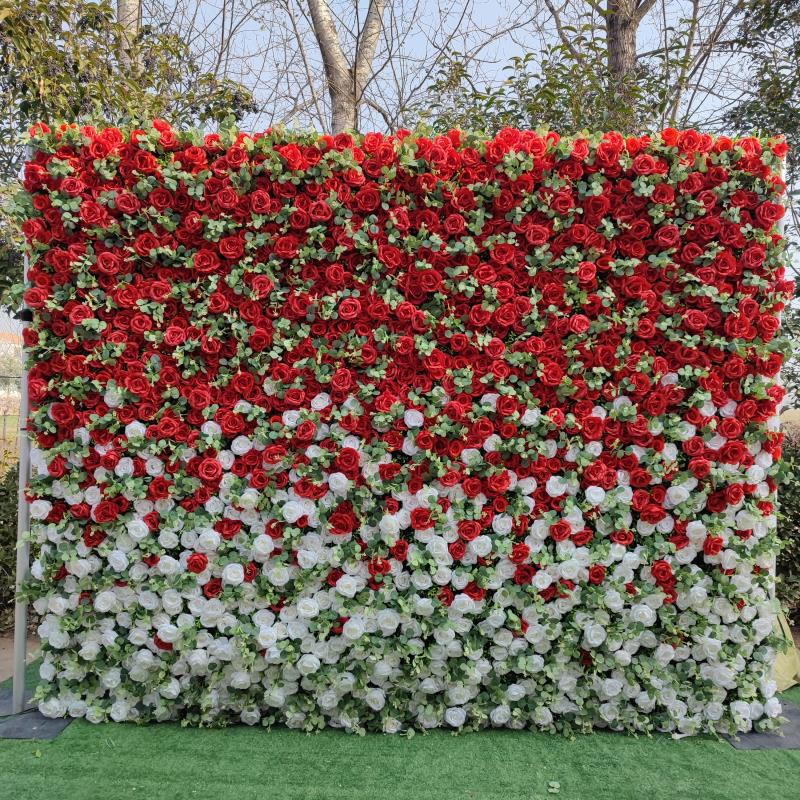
x=121, y=761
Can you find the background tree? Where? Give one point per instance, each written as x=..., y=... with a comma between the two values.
x=626, y=64
x=770, y=34
x=73, y=60
x=346, y=81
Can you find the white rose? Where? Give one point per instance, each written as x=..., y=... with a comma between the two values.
x=135, y=430
x=347, y=586
x=105, y=601
x=40, y=509
x=595, y=495
x=375, y=699
x=241, y=445
x=53, y=707
x=413, y=418
x=208, y=541
x=137, y=529
x=267, y=636
x=594, y=635
x=292, y=511
x=455, y=716
x=321, y=401
x=263, y=545
x=339, y=483
x=388, y=621
x=308, y=664
x=233, y=574
x=643, y=614
x=500, y=715
x=353, y=628
x=117, y=560
x=167, y=565
x=307, y=607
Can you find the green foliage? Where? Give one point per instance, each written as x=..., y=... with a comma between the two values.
x=789, y=529
x=565, y=88
x=8, y=539
x=771, y=33
x=790, y=372
x=65, y=61
x=551, y=89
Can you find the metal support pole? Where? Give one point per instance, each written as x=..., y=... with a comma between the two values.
x=23, y=545
x=782, y=231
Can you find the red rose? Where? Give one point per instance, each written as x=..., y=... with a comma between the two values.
x=421, y=519
x=560, y=531
x=205, y=261
x=457, y=549
x=713, y=545
x=767, y=214
x=231, y=247
x=597, y=574
x=343, y=521
x=399, y=550
x=524, y=574
x=210, y=470
x=661, y=572
x=469, y=529
x=287, y=247
x=197, y=562
x=519, y=553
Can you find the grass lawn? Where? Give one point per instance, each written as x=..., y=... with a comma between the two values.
x=117, y=762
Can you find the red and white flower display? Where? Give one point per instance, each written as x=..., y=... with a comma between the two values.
x=382, y=432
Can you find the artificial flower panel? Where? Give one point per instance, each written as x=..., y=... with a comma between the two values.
x=390, y=432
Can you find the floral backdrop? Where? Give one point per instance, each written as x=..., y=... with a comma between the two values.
x=389, y=432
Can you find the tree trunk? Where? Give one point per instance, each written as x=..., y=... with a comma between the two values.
x=128, y=17
x=623, y=18
x=346, y=84
x=621, y=27
x=344, y=105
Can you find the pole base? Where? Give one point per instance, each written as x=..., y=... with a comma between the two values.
x=32, y=725
x=6, y=709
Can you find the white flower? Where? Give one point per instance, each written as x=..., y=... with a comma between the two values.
x=455, y=716
x=40, y=509
x=233, y=574
x=263, y=545
x=137, y=529
x=347, y=586
x=595, y=495
x=105, y=601
x=594, y=635
x=292, y=511
x=375, y=699
x=413, y=418
x=241, y=445
x=117, y=560
x=135, y=430
x=308, y=664
x=353, y=628
x=307, y=607
x=643, y=614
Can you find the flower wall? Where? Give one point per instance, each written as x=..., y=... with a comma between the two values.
x=388, y=431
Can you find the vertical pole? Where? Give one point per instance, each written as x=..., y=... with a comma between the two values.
x=23, y=545
x=774, y=560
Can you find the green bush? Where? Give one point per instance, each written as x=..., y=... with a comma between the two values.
x=789, y=529
x=8, y=539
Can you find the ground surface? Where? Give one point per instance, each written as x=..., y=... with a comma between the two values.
x=7, y=652
x=167, y=762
